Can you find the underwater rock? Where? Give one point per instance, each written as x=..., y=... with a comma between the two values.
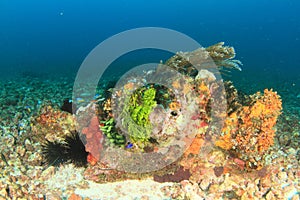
x=218, y=171
x=204, y=74
x=157, y=122
x=204, y=184
x=179, y=175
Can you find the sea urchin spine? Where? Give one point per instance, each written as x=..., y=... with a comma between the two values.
x=71, y=150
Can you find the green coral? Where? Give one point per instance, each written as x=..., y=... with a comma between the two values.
x=142, y=103
x=112, y=134
x=135, y=115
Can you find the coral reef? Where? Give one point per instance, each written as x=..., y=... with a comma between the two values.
x=206, y=161
x=195, y=146
x=250, y=131
x=135, y=117
x=178, y=176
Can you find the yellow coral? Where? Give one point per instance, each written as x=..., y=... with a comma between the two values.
x=263, y=116
x=176, y=84
x=203, y=88
x=257, y=110
x=174, y=105
x=224, y=142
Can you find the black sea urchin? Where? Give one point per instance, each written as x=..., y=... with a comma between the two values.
x=71, y=150
x=76, y=149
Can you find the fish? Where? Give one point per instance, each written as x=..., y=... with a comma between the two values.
x=129, y=145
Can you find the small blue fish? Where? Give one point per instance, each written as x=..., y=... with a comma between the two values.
x=96, y=96
x=129, y=145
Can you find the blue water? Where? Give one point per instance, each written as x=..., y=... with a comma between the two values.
x=55, y=36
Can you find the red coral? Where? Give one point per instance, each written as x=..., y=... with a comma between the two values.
x=94, y=138
x=91, y=159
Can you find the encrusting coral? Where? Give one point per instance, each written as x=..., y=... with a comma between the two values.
x=94, y=139
x=54, y=123
x=250, y=131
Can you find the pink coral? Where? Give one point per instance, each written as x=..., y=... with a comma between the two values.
x=94, y=138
